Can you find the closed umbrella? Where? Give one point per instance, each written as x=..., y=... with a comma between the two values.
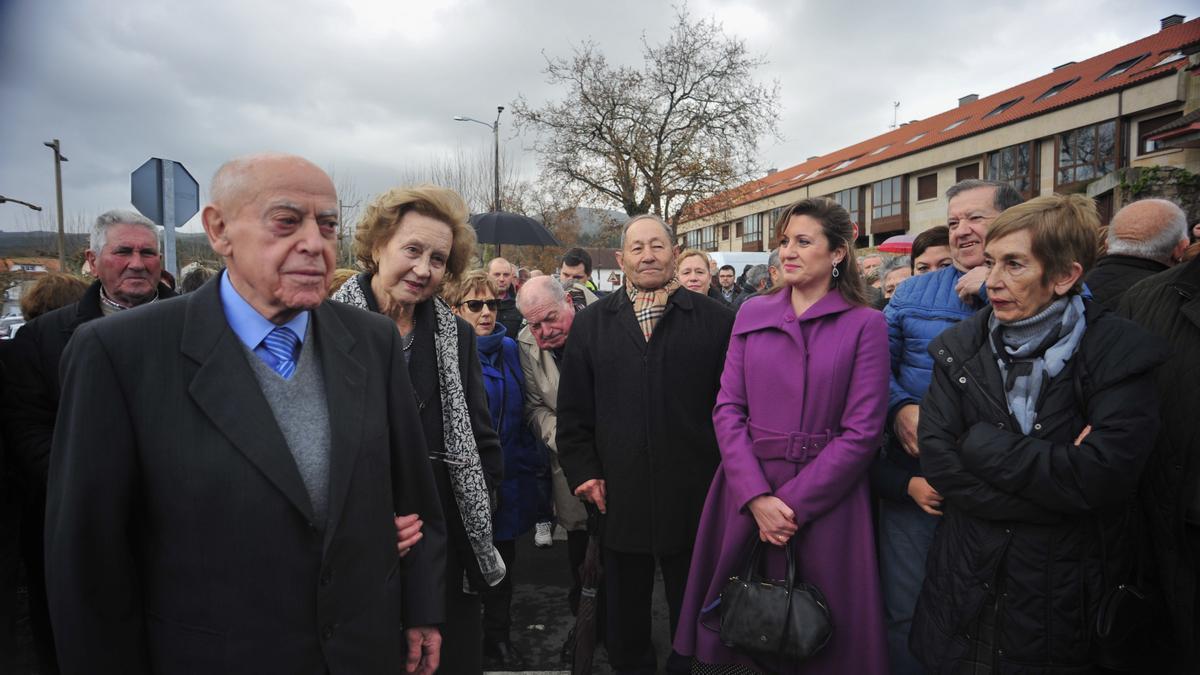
x=502, y=227
x=586, y=619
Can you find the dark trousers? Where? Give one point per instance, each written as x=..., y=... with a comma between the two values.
x=462, y=634
x=33, y=530
x=629, y=586
x=497, y=600
x=905, y=534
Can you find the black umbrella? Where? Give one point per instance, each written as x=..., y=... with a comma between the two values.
x=501, y=227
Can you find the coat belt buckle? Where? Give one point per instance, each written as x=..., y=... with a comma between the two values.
x=797, y=448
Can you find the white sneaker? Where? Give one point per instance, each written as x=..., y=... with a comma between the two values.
x=542, y=536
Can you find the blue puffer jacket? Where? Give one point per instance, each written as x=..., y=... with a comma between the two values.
x=524, y=492
x=920, y=310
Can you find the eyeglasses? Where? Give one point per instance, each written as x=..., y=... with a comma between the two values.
x=476, y=306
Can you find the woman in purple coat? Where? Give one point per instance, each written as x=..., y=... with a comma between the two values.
x=798, y=419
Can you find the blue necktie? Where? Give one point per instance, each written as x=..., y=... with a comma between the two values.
x=281, y=342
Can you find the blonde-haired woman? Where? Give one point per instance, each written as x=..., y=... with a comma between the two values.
x=411, y=241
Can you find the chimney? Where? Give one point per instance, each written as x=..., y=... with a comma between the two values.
x=771, y=171
x=1173, y=20
x=969, y=98
x=904, y=124
x=812, y=158
x=1068, y=63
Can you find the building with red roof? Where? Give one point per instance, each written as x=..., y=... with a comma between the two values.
x=1074, y=129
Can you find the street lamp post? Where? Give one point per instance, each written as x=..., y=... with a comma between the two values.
x=495, y=127
x=62, y=241
x=4, y=199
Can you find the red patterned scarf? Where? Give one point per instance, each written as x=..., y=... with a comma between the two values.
x=649, y=306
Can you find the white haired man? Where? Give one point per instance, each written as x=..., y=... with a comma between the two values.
x=1144, y=238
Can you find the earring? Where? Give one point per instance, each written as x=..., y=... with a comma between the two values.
x=836, y=274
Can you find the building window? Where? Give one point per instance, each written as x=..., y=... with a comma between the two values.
x=708, y=239
x=1055, y=90
x=753, y=227
x=966, y=172
x=916, y=138
x=739, y=228
x=953, y=126
x=845, y=164
x=927, y=187
x=876, y=152
x=1170, y=58
x=886, y=198
x=1122, y=67
x=724, y=232
x=1087, y=153
x=1015, y=165
x=851, y=200
x=1004, y=106
x=1146, y=128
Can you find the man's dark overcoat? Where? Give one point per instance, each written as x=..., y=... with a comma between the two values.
x=179, y=533
x=639, y=415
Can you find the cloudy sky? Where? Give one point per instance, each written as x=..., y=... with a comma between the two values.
x=368, y=88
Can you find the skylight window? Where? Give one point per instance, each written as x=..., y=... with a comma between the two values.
x=1055, y=90
x=845, y=163
x=879, y=150
x=955, y=125
x=916, y=138
x=1170, y=58
x=1004, y=106
x=1122, y=67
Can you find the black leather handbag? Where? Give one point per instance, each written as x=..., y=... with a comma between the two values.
x=764, y=618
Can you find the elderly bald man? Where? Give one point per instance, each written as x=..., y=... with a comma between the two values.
x=222, y=483
x=1144, y=238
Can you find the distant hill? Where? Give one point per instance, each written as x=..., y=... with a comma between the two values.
x=591, y=221
x=19, y=244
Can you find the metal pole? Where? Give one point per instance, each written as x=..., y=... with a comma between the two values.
x=168, y=196
x=496, y=138
x=62, y=237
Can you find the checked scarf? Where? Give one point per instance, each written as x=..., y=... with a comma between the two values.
x=649, y=306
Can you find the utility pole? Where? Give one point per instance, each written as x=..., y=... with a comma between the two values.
x=62, y=239
x=496, y=136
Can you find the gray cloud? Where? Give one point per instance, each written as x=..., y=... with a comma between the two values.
x=368, y=89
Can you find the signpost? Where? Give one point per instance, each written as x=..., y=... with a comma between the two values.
x=166, y=193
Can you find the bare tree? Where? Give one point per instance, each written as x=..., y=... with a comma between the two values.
x=683, y=127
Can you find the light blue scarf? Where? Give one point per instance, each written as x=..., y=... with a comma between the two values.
x=1025, y=371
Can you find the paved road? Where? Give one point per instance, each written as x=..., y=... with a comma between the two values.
x=541, y=618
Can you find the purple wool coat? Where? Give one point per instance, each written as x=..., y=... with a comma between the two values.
x=799, y=416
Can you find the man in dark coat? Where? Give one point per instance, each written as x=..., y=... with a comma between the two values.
x=635, y=437
x=123, y=253
x=226, y=465
x=1144, y=238
x=1168, y=304
x=501, y=272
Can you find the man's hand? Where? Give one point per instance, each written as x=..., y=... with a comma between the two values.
x=776, y=520
x=924, y=495
x=968, y=284
x=408, y=532
x=906, y=428
x=594, y=492
x=424, y=650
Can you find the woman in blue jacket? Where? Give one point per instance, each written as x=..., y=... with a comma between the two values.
x=526, y=479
